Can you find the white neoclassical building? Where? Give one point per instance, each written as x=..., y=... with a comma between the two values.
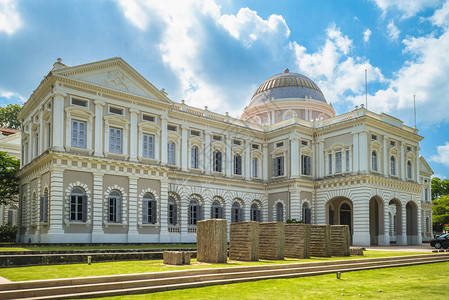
x=108, y=157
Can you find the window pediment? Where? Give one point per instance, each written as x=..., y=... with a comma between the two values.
x=394, y=150
x=375, y=144
x=79, y=111
x=411, y=155
x=306, y=150
x=196, y=141
x=237, y=149
x=256, y=153
x=337, y=146
x=279, y=151
x=218, y=145
x=171, y=135
x=149, y=126
x=116, y=120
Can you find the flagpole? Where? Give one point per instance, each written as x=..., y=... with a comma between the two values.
x=366, y=89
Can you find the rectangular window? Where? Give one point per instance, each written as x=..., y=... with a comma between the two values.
x=171, y=153
x=338, y=162
x=147, y=118
x=255, y=146
x=36, y=145
x=304, y=143
x=278, y=166
x=195, y=133
x=44, y=209
x=79, y=134
x=79, y=102
x=148, y=146
x=393, y=143
x=78, y=208
x=114, y=210
x=194, y=158
x=216, y=138
x=374, y=137
x=115, y=140
x=217, y=157
x=278, y=145
x=330, y=163
x=172, y=128
x=115, y=110
x=306, y=165
x=255, y=167
x=237, y=165
x=49, y=136
x=426, y=194
x=237, y=142
x=347, y=160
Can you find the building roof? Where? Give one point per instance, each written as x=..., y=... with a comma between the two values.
x=8, y=131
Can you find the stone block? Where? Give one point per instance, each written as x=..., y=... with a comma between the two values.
x=320, y=240
x=244, y=241
x=271, y=240
x=176, y=258
x=297, y=240
x=212, y=236
x=356, y=251
x=340, y=240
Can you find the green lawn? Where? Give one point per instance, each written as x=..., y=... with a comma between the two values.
x=415, y=282
x=110, y=247
x=129, y=267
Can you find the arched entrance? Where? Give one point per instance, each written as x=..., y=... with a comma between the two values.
x=306, y=213
x=412, y=223
x=396, y=226
x=376, y=219
x=339, y=212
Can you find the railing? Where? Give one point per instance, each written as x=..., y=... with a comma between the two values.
x=174, y=228
x=191, y=229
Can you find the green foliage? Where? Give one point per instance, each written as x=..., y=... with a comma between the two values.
x=439, y=187
x=294, y=221
x=8, y=233
x=9, y=116
x=440, y=212
x=9, y=185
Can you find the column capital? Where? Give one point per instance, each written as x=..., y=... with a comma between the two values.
x=134, y=110
x=99, y=102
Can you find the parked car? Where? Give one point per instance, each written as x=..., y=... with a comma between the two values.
x=441, y=241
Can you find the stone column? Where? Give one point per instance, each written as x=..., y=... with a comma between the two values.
x=98, y=127
x=384, y=240
x=56, y=207
x=355, y=153
x=295, y=204
x=228, y=156
x=417, y=166
x=363, y=152
x=314, y=159
x=417, y=239
x=97, y=208
x=41, y=133
x=207, y=153
x=247, y=160
x=58, y=121
x=133, y=142
x=402, y=238
x=164, y=236
x=321, y=159
x=402, y=161
x=164, y=140
x=386, y=161
x=343, y=161
x=184, y=147
x=184, y=222
x=265, y=159
x=133, y=217
x=360, y=211
x=294, y=155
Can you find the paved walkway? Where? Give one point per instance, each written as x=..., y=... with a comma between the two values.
x=4, y=280
x=417, y=248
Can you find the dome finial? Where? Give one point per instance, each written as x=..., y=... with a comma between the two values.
x=286, y=70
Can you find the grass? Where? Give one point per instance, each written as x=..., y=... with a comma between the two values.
x=102, y=247
x=414, y=282
x=129, y=267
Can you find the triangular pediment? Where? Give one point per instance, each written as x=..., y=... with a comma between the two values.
x=424, y=166
x=115, y=74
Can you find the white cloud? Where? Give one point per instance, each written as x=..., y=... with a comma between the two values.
x=335, y=71
x=10, y=95
x=441, y=16
x=366, y=35
x=408, y=7
x=443, y=155
x=393, y=31
x=10, y=20
x=186, y=27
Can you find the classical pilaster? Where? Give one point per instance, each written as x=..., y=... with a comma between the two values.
x=363, y=152
x=265, y=162
x=97, y=208
x=313, y=160
x=361, y=234
x=164, y=236
x=41, y=133
x=184, y=219
x=133, y=135
x=401, y=239
x=185, y=148
x=295, y=203
x=228, y=156
x=386, y=162
x=98, y=127
x=164, y=140
x=247, y=160
x=355, y=153
x=417, y=239
x=56, y=204
x=384, y=240
x=207, y=154
x=321, y=159
x=294, y=155
x=417, y=166
x=402, y=167
x=133, y=217
x=58, y=120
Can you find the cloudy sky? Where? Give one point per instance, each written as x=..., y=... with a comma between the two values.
x=217, y=52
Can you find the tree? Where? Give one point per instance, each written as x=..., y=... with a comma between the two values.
x=9, y=185
x=9, y=116
x=440, y=212
x=439, y=187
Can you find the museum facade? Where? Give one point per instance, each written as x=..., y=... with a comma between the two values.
x=109, y=158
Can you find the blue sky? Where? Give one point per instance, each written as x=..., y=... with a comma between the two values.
x=217, y=52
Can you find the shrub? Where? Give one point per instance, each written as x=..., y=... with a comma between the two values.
x=8, y=233
x=293, y=221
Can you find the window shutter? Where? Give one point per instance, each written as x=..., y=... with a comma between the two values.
x=274, y=167
x=84, y=201
x=82, y=135
x=145, y=211
x=119, y=210
x=200, y=213
x=175, y=214
x=154, y=211
x=45, y=209
x=192, y=157
x=240, y=215
x=281, y=167
x=41, y=218
x=220, y=212
x=145, y=145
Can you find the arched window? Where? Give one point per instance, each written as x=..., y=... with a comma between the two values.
x=409, y=170
x=279, y=212
x=306, y=213
x=236, y=212
x=237, y=164
x=171, y=160
x=255, y=169
x=374, y=161
x=115, y=207
x=217, y=161
x=149, y=209
x=216, y=211
x=172, y=211
x=78, y=205
x=194, y=161
x=392, y=166
x=194, y=212
x=44, y=207
x=427, y=225
x=255, y=212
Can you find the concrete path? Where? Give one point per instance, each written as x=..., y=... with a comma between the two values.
x=4, y=280
x=415, y=248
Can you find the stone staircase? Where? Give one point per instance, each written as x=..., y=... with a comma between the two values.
x=102, y=286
